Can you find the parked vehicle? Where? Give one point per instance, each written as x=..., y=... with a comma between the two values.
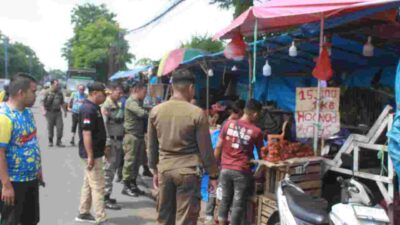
x=357, y=206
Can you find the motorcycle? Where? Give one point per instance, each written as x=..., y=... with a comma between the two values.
x=357, y=206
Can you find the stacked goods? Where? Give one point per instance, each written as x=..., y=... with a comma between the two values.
x=277, y=151
x=272, y=153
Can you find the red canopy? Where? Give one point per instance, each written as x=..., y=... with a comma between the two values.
x=282, y=14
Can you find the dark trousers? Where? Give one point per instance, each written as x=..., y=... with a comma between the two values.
x=75, y=122
x=235, y=190
x=26, y=209
x=210, y=206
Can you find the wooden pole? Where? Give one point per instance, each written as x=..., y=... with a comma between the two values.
x=204, y=68
x=316, y=122
x=250, y=87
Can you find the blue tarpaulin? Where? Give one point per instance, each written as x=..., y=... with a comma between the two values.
x=129, y=73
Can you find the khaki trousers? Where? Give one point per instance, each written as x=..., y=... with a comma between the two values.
x=179, y=197
x=93, y=190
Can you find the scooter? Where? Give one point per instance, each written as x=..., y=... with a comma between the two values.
x=357, y=206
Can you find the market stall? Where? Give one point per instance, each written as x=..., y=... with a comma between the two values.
x=323, y=113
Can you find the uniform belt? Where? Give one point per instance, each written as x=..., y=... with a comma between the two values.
x=118, y=138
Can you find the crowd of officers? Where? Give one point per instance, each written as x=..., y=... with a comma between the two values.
x=113, y=126
x=125, y=124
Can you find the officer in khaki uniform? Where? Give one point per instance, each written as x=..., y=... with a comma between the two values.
x=53, y=103
x=179, y=147
x=134, y=145
x=113, y=115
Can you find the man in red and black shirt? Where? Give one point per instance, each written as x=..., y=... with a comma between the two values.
x=235, y=149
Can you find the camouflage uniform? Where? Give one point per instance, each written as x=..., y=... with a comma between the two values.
x=179, y=146
x=134, y=144
x=53, y=101
x=114, y=121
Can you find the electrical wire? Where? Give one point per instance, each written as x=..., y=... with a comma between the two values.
x=158, y=17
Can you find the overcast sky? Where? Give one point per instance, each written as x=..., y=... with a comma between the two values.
x=45, y=25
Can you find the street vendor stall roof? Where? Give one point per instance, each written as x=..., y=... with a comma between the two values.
x=351, y=67
x=278, y=15
x=129, y=73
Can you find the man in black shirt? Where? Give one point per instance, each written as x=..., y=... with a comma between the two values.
x=92, y=144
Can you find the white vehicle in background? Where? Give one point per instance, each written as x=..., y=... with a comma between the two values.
x=77, y=77
x=3, y=83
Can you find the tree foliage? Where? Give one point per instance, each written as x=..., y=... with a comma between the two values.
x=98, y=41
x=83, y=15
x=57, y=74
x=203, y=42
x=146, y=62
x=238, y=5
x=21, y=58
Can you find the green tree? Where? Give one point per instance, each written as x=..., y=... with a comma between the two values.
x=238, y=5
x=83, y=15
x=21, y=58
x=146, y=62
x=203, y=42
x=57, y=74
x=98, y=41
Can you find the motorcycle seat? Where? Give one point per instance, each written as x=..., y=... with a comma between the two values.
x=305, y=207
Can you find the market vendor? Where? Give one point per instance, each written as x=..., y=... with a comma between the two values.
x=235, y=110
x=235, y=150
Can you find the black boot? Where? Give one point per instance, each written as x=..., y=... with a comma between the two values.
x=59, y=143
x=127, y=190
x=147, y=172
x=135, y=188
x=50, y=142
x=111, y=203
x=108, y=198
x=73, y=141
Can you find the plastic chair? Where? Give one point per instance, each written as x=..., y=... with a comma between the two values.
x=278, y=137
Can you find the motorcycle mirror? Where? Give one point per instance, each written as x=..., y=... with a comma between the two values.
x=354, y=190
x=334, y=137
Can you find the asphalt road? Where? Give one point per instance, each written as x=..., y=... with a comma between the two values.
x=63, y=174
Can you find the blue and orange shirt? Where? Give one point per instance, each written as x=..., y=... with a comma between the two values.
x=18, y=136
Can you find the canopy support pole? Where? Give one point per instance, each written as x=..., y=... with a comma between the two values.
x=316, y=122
x=208, y=92
x=204, y=68
x=254, y=72
x=250, y=86
x=255, y=51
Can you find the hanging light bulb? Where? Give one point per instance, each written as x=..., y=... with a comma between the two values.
x=293, y=50
x=267, y=70
x=234, y=68
x=368, y=50
x=210, y=72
